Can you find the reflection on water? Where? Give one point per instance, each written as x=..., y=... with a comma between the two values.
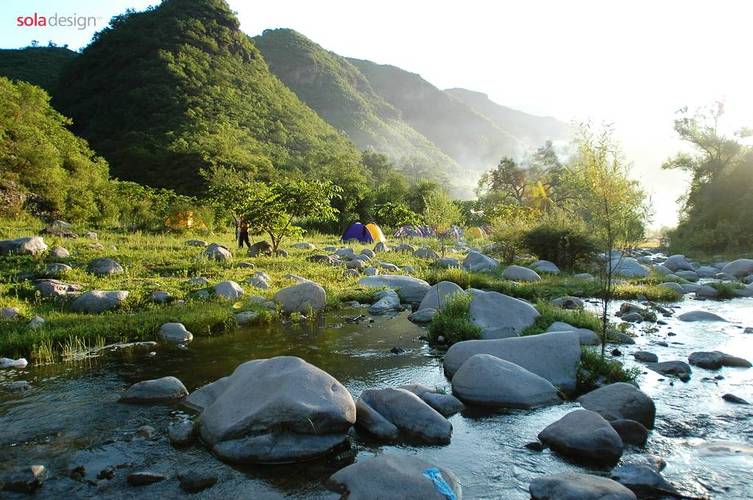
x=71, y=417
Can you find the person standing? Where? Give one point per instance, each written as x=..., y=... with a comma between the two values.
x=243, y=233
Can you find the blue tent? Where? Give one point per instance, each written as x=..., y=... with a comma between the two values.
x=357, y=231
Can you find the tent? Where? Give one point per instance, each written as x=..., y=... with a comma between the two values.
x=357, y=231
x=376, y=233
x=414, y=232
x=182, y=219
x=476, y=232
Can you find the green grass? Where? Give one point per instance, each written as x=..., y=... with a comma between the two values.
x=453, y=321
x=594, y=369
x=726, y=290
x=550, y=314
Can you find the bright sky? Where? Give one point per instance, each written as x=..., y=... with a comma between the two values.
x=631, y=63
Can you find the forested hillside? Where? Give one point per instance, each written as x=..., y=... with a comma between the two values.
x=178, y=88
x=41, y=66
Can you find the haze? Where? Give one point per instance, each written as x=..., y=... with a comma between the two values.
x=632, y=64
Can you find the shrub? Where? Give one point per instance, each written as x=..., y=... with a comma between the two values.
x=595, y=370
x=564, y=246
x=550, y=314
x=454, y=322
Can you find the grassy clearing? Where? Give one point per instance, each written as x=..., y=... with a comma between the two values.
x=453, y=322
x=594, y=370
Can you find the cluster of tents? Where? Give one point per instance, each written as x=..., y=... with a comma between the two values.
x=370, y=233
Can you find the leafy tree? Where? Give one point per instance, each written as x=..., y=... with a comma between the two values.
x=509, y=224
x=508, y=182
x=610, y=203
x=441, y=213
x=395, y=214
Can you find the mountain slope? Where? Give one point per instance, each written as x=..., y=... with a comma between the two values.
x=469, y=138
x=337, y=90
x=533, y=130
x=166, y=92
x=38, y=65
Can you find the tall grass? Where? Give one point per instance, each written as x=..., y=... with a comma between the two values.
x=453, y=322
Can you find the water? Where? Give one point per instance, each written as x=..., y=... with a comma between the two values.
x=71, y=417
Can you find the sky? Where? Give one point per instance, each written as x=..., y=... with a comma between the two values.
x=631, y=64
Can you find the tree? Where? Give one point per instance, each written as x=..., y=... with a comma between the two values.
x=440, y=213
x=509, y=224
x=609, y=202
x=395, y=214
x=508, y=181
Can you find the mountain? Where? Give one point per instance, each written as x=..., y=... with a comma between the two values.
x=468, y=137
x=166, y=92
x=339, y=93
x=531, y=129
x=38, y=65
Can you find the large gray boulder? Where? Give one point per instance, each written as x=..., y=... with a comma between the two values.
x=426, y=253
x=489, y=381
x=55, y=289
x=394, y=477
x=387, y=301
x=409, y=413
x=229, y=290
x=438, y=295
x=34, y=245
x=303, y=297
x=679, y=369
x=104, y=266
x=544, y=266
x=621, y=401
x=411, y=290
x=478, y=262
x=553, y=356
x=678, y=263
x=277, y=410
x=218, y=252
x=700, y=316
x=628, y=267
x=707, y=271
x=370, y=420
x=520, y=273
x=174, y=333
x=446, y=404
x=500, y=316
x=644, y=481
x=155, y=391
x=739, y=268
x=586, y=336
x=688, y=275
x=97, y=301
x=59, y=253
x=675, y=287
x=574, y=486
x=584, y=435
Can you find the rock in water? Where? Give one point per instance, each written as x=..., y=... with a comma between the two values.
x=181, y=433
x=374, y=423
x=630, y=431
x=439, y=294
x=584, y=435
x=553, y=356
x=500, y=316
x=711, y=360
x=489, y=381
x=97, y=301
x=574, y=486
x=621, y=401
x=155, y=391
x=395, y=477
x=739, y=268
x=24, y=479
x=646, y=356
x=193, y=481
x=700, y=316
x=679, y=369
x=644, y=481
x=174, y=333
x=277, y=410
x=144, y=478
x=303, y=297
x=409, y=413
x=387, y=301
x=410, y=290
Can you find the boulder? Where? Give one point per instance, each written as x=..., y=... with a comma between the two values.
x=302, y=297
x=544, y=266
x=447, y=262
x=734, y=362
x=438, y=295
x=553, y=356
x=500, y=316
x=143, y=478
x=687, y=275
x=395, y=477
x=446, y=404
x=490, y=381
x=675, y=287
x=630, y=431
x=36, y=323
x=424, y=315
x=322, y=259
x=387, y=301
x=218, y=252
x=644, y=481
x=51, y=288
x=426, y=253
x=478, y=262
x=194, y=480
x=628, y=267
x=9, y=313
x=197, y=243
x=710, y=360
x=405, y=247
x=621, y=401
x=410, y=414
x=33, y=245
x=277, y=410
x=304, y=245
x=260, y=248
x=739, y=268
x=374, y=423
x=700, y=316
x=346, y=253
x=104, y=266
x=587, y=337
x=678, y=263
x=181, y=432
x=409, y=289
x=59, y=253
x=662, y=270
x=678, y=369
x=161, y=297
x=388, y=266
x=174, y=333
x=646, y=357
x=381, y=247
x=584, y=435
x=569, y=302
x=584, y=276
x=229, y=290
x=520, y=273
x=707, y=271
x=197, y=281
x=97, y=301
x=155, y=391
x=575, y=486
x=259, y=280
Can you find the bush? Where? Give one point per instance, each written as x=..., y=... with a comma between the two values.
x=566, y=247
x=453, y=322
x=550, y=314
x=594, y=371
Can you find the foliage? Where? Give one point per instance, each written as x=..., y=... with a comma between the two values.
x=178, y=88
x=453, y=321
x=145, y=208
x=565, y=246
x=54, y=171
x=509, y=226
x=441, y=213
x=395, y=214
x=550, y=314
x=715, y=216
x=37, y=65
x=595, y=370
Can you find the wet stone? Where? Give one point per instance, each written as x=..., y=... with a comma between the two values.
x=144, y=478
x=193, y=481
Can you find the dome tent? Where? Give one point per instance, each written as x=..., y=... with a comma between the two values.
x=376, y=233
x=359, y=232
